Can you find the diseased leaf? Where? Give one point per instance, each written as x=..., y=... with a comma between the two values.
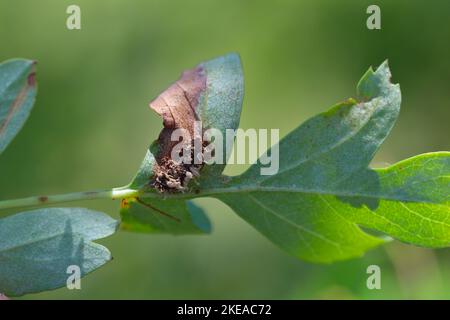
x=325, y=191
x=37, y=247
x=17, y=95
x=211, y=93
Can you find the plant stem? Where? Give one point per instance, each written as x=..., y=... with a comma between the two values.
x=116, y=193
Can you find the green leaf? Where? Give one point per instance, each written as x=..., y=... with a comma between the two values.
x=221, y=104
x=325, y=203
x=17, y=95
x=175, y=217
x=214, y=90
x=324, y=191
x=37, y=247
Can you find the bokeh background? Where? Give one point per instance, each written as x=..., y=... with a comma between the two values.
x=91, y=126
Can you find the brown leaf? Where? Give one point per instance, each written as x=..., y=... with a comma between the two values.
x=178, y=107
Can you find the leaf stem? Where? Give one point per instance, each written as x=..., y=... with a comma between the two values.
x=116, y=193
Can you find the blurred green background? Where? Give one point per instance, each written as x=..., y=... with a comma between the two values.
x=91, y=126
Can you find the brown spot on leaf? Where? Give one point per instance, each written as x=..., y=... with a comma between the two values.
x=18, y=101
x=43, y=199
x=32, y=79
x=124, y=204
x=178, y=107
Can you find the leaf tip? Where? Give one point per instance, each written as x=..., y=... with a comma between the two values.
x=376, y=83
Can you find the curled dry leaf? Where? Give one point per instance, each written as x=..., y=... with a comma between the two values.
x=178, y=107
x=212, y=92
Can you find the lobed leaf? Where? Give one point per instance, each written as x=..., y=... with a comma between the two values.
x=325, y=203
x=37, y=247
x=324, y=191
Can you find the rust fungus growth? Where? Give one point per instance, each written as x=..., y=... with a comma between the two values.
x=178, y=106
x=124, y=204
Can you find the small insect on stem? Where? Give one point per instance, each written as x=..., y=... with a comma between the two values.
x=157, y=210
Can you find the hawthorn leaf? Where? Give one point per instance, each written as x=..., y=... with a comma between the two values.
x=325, y=203
x=37, y=247
x=325, y=191
x=17, y=95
